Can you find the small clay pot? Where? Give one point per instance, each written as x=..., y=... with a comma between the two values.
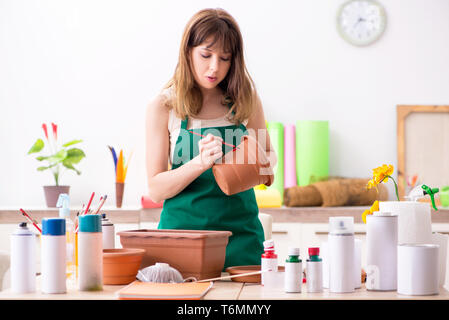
x=52, y=194
x=120, y=266
x=244, y=168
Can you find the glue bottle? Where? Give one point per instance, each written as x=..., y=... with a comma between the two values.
x=53, y=255
x=269, y=258
x=90, y=253
x=64, y=212
x=293, y=271
x=23, y=260
x=108, y=233
x=314, y=271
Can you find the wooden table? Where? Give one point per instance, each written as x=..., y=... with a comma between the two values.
x=230, y=290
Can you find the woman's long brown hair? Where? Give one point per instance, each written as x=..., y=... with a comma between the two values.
x=238, y=87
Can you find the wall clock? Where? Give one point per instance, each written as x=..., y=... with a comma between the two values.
x=361, y=22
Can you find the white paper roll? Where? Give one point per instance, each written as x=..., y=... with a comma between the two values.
x=381, y=252
x=418, y=269
x=414, y=221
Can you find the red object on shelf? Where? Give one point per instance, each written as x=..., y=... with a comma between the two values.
x=148, y=203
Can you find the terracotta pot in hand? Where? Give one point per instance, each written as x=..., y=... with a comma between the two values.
x=244, y=168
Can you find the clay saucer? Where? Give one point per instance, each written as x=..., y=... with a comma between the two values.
x=255, y=278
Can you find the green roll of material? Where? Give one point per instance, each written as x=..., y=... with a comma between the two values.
x=312, y=151
x=276, y=132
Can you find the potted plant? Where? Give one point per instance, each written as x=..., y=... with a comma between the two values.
x=56, y=158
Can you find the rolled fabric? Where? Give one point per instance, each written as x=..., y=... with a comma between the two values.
x=148, y=203
x=307, y=196
x=289, y=156
x=312, y=151
x=276, y=132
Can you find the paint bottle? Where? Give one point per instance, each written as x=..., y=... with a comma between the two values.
x=341, y=254
x=23, y=260
x=64, y=213
x=293, y=271
x=90, y=253
x=53, y=256
x=314, y=271
x=269, y=258
x=108, y=233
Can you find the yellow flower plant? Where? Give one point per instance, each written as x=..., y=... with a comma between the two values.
x=381, y=174
x=374, y=208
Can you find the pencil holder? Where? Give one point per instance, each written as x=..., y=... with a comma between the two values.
x=119, y=189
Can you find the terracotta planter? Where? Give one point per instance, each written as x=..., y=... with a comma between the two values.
x=119, y=190
x=244, y=168
x=194, y=253
x=52, y=194
x=120, y=266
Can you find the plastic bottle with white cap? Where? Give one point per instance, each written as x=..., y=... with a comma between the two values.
x=269, y=258
x=23, y=260
x=53, y=256
x=341, y=254
x=90, y=253
x=293, y=271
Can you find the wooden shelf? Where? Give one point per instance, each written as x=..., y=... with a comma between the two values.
x=281, y=215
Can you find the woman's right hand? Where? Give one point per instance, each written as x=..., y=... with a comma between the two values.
x=210, y=150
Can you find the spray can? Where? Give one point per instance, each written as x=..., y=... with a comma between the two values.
x=64, y=213
x=293, y=271
x=381, y=251
x=53, y=255
x=269, y=258
x=314, y=271
x=90, y=253
x=108, y=233
x=23, y=260
x=341, y=254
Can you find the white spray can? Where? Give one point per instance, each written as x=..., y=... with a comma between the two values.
x=293, y=271
x=269, y=258
x=23, y=260
x=90, y=253
x=53, y=255
x=341, y=254
x=108, y=233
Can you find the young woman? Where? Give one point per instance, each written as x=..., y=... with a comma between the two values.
x=211, y=90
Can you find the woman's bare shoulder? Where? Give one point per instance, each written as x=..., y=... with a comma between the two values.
x=158, y=105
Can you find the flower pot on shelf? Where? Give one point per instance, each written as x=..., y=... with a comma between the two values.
x=52, y=194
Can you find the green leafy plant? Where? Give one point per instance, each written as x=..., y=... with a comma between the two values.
x=59, y=157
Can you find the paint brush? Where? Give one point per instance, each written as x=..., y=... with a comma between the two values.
x=226, y=144
x=90, y=201
x=101, y=204
x=26, y=215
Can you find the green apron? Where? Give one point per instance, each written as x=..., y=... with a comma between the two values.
x=203, y=206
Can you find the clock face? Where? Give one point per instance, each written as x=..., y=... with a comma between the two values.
x=361, y=22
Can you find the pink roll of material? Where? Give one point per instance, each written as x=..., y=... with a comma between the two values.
x=148, y=203
x=289, y=156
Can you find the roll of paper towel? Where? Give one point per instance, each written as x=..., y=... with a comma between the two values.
x=414, y=222
x=312, y=151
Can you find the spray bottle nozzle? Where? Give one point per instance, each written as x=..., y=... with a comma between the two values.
x=431, y=192
x=64, y=205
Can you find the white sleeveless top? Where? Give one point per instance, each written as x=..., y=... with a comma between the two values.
x=174, y=126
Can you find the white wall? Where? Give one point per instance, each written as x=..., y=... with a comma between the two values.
x=92, y=66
